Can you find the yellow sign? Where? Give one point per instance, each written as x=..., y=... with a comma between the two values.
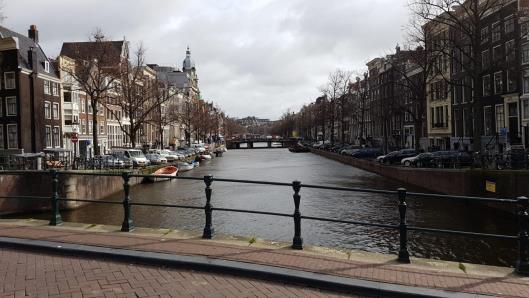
x=490, y=186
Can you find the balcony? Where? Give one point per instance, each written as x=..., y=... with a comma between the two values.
x=71, y=106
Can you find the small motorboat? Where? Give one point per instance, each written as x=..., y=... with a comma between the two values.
x=184, y=166
x=205, y=157
x=169, y=171
x=298, y=148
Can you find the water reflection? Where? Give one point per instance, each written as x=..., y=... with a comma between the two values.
x=283, y=166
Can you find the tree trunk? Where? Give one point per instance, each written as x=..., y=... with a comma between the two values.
x=94, y=128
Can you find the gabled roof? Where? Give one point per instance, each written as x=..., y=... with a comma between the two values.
x=86, y=50
x=25, y=44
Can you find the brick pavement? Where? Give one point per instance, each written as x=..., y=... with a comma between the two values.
x=503, y=284
x=33, y=274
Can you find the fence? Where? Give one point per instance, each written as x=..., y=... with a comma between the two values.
x=401, y=194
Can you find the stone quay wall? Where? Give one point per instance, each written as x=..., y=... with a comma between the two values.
x=40, y=184
x=467, y=182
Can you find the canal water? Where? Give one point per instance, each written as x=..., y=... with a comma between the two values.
x=280, y=165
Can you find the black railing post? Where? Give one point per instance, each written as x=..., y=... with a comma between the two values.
x=297, y=242
x=127, y=224
x=404, y=255
x=208, y=230
x=522, y=265
x=55, y=214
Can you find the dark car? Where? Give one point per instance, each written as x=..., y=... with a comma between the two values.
x=451, y=159
x=367, y=153
x=397, y=156
x=426, y=160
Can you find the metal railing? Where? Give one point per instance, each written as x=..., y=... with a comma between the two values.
x=401, y=194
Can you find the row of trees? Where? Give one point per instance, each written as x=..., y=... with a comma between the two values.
x=443, y=34
x=122, y=85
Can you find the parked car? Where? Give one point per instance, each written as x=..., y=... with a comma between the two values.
x=156, y=159
x=452, y=159
x=110, y=161
x=397, y=156
x=412, y=161
x=135, y=155
x=348, y=149
x=367, y=153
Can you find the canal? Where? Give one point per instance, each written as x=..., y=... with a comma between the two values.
x=282, y=166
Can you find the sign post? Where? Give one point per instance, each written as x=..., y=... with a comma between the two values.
x=74, y=139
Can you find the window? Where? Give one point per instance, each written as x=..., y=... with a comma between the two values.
x=500, y=118
x=56, y=136
x=510, y=51
x=55, y=88
x=486, y=85
x=47, y=66
x=509, y=24
x=498, y=83
x=496, y=54
x=1, y=136
x=9, y=78
x=46, y=87
x=525, y=81
x=11, y=103
x=47, y=110
x=101, y=128
x=511, y=81
x=525, y=53
x=496, y=31
x=83, y=126
x=525, y=111
x=488, y=117
x=12, y=136
x=485, y=59
x=485, y=35
x=56, y=114
x=48, y=136
x=90, y=126
x=82, y=106
x=524, y=30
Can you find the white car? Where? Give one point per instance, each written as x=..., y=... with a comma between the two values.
x=408, y=161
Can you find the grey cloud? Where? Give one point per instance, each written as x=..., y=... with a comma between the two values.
x=253, y=57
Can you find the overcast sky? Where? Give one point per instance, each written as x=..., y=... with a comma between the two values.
x=253, y=57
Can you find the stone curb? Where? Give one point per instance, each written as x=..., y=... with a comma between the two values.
x=278, y=274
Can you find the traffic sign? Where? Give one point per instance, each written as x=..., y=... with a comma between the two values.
x=75, y=137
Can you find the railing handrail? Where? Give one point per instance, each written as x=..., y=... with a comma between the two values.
x=522, y=265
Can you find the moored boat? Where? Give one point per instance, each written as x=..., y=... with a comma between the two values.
x=169, y=171
x=205, y=157
x=184, y=166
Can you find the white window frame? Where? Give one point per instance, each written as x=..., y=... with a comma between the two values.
x=507, y=50
x=47, y=87
x=8, y=135
x=496, y=117
x=58, y=128
x=484, y=39
x=525, y=53
x=57, y=115
x=8, y=86
x=46, y=129
x=483, y=80
x=494, y=25
x=508, y=19
x=55, y=88
x=8, y=98
x=501, y=79
x=47, y=110
x=485, y=118
x=47, y=66
x=2, y=138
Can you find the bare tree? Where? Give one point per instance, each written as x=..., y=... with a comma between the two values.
x=167, y=109
x=96, y=68
x=464, y=20
x=336, y=87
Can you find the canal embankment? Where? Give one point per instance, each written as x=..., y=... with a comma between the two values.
x=39, y=184
x=466, y=182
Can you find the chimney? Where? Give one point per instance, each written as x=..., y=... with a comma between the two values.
x=33, y=33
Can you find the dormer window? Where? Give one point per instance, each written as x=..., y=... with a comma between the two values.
x=46, y=66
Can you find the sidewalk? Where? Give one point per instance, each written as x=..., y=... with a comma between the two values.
x=430, y=274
